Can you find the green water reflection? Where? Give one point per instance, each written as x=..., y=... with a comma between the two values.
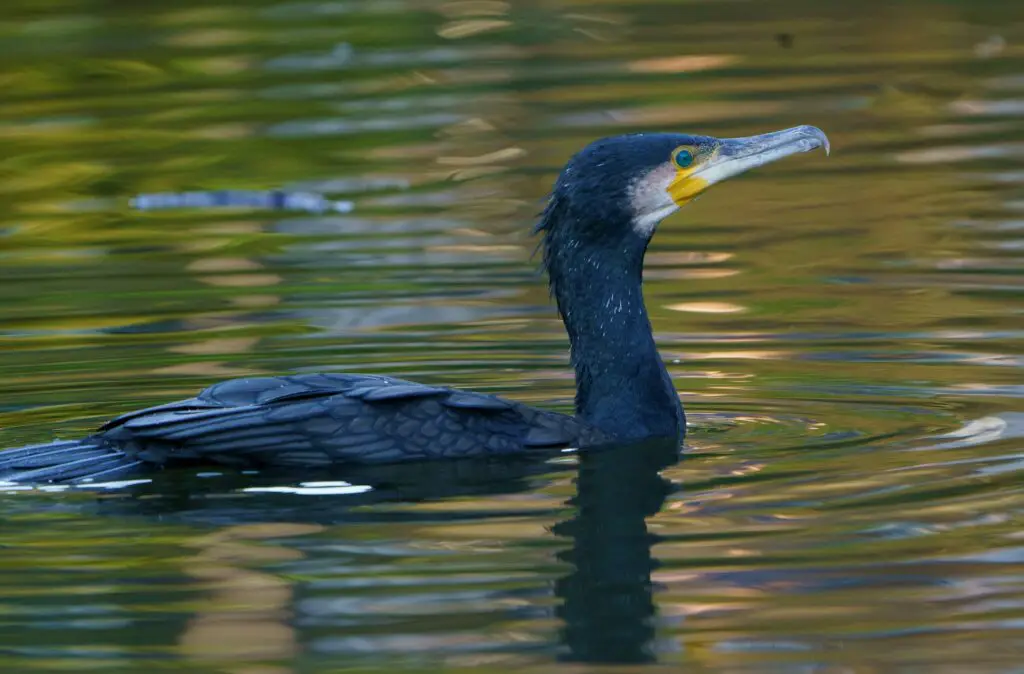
x=846, y=333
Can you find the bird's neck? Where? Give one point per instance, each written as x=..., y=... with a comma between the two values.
x=622, y=386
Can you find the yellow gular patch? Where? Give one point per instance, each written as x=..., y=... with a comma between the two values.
x=685, y=187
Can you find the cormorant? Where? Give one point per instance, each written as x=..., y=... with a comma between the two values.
x=599, y=219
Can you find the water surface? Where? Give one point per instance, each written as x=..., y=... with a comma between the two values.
x=845, y=333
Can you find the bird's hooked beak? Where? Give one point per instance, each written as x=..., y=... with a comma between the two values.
x=727, y=157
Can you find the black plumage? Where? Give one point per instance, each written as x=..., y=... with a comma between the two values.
x=311, y=421
x=600, y=218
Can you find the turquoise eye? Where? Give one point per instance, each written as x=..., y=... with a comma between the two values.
x=684, y=158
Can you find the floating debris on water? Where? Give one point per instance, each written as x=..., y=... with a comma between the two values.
x=274, y=200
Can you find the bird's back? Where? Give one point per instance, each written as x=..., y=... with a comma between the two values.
x=318, y=421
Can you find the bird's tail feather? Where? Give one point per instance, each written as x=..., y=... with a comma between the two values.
x=64, y=461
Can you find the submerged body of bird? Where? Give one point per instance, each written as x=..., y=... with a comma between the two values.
x=602, y=213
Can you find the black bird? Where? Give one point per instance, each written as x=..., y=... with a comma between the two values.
x=599, y=219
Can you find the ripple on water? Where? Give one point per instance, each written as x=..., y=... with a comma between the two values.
x=844, y=333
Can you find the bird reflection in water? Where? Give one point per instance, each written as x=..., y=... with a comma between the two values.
x=605, y=600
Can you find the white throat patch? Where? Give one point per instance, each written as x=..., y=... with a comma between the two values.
x=650, y=200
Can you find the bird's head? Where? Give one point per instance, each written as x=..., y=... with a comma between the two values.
x=615, y=191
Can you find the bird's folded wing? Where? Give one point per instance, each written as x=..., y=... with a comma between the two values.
x=306, y=421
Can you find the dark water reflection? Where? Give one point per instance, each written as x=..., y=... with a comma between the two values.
x=845, y=334
x=607, y=600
